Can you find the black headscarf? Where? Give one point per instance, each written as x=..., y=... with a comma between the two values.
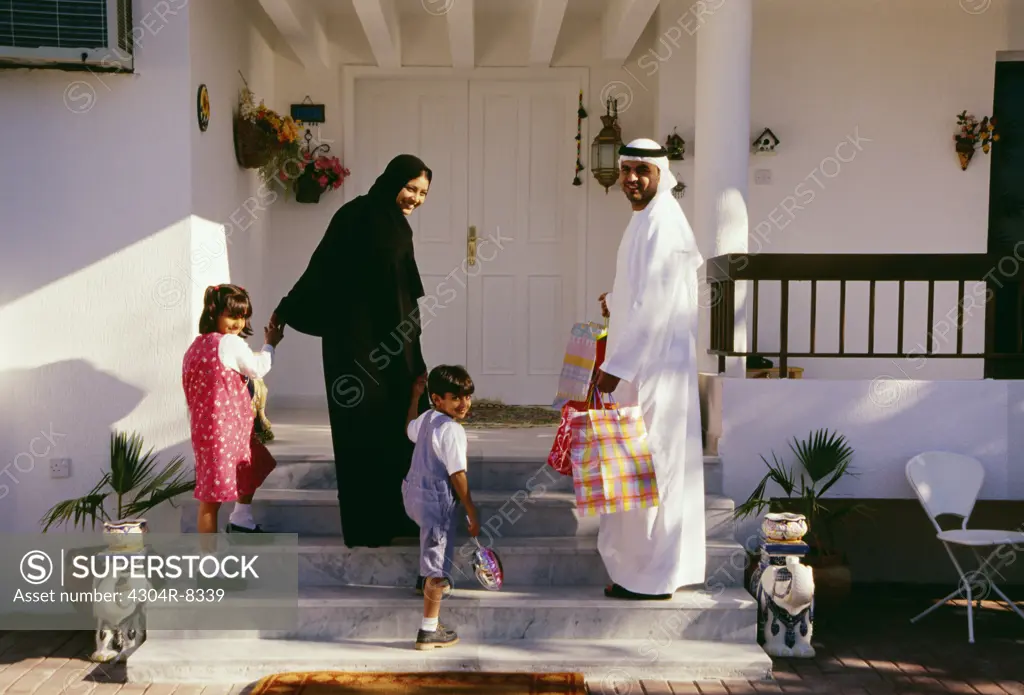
x=362, y=281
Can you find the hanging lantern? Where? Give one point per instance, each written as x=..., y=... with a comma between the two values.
x=605, y=148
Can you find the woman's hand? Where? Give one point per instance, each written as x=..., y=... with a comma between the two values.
x=273, y=334
x=419, y=386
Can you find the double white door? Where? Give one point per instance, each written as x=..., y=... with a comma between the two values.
x=497, y=238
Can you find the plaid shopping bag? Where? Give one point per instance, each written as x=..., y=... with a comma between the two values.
x=578, y=363
x=559, y=457
x=612, y=469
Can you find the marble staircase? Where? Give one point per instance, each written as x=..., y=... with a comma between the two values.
x=357, y=610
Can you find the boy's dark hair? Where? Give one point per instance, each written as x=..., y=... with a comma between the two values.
x=447, y=378
x=225, y=298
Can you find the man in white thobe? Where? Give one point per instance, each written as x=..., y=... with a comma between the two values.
x=651, y=360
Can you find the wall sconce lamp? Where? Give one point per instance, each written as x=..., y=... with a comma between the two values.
x=605, y=148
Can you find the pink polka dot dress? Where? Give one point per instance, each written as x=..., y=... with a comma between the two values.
x=222, y=420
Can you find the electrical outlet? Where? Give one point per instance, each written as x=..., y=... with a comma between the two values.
x=60, y=468
x=763, y=177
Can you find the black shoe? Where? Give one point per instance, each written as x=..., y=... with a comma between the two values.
x=438, y=639
x=235, y=528
x=445, y=592
x=616, y=591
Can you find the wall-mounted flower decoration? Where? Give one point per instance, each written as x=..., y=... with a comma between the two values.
x=971, y=134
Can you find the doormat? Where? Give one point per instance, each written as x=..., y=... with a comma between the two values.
x=468, y=682
x=495, y=414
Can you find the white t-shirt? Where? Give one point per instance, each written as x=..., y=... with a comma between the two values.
x=449, y=440
x=236, y=354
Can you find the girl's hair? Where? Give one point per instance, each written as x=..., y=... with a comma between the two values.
x=445, y=379
x=221, y=299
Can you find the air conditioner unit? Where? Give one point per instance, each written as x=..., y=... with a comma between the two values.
x=91, y=35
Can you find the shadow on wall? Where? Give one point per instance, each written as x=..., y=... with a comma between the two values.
x=61, y=410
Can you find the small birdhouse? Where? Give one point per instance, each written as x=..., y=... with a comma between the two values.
x=676, y=146
x=765, y=142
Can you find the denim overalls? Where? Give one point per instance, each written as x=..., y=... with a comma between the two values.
x=430, y=501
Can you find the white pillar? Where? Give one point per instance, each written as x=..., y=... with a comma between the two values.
x=722, y=148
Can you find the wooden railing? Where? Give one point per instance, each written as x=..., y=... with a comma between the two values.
x=1004, y=349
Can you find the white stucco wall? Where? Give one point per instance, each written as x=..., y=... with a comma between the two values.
x=94, y=213
x=886, y=422
x=112, y=215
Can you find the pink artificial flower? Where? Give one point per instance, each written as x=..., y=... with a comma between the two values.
x=323, y=181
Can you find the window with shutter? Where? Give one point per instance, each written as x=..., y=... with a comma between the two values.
x=93, y=34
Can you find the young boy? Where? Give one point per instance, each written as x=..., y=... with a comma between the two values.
x=438, y=467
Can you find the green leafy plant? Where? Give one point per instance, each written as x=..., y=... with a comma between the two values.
x=132, y=481
x=824, y=458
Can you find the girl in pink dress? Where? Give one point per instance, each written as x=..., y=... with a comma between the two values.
x=214, y=375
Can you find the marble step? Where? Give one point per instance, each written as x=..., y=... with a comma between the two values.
x=514, y=613
x=525, y=561
x=502, y=514
x=302, y=472
x=609, y=665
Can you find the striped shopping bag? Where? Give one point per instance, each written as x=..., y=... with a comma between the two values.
x=612, y=469
x=578, y=363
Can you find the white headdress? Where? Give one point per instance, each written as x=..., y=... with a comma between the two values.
x=664, y=208
x=646, y=150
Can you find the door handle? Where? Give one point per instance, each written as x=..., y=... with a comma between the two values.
x=471, y=247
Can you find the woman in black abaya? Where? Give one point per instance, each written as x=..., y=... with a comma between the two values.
x=359, y=294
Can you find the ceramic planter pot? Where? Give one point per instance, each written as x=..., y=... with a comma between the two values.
x=125, y=535
x=784, y=526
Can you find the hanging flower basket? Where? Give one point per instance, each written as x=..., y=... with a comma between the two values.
x=321, y=174
x=253, y=144
x=971, y=134
x=264, y=140
x=964, y=151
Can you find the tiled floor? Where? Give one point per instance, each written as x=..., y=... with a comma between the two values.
x=869, y=647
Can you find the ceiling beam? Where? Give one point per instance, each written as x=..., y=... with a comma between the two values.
x=380, y=23
x=302, y=28
x=547, y=22
x=624, y=22
x=461, y=33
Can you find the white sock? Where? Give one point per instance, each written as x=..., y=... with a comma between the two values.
x=429, y=624
x=241, y=515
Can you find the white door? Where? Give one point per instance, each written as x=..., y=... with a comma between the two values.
x=426, y=119
x=527, y=214
x=503, y=155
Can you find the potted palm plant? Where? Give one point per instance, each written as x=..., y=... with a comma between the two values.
x=133, y=483
x=823, y=459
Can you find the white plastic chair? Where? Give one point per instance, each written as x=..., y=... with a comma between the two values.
x=947, y=483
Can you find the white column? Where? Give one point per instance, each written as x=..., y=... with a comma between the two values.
x=722, y=149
